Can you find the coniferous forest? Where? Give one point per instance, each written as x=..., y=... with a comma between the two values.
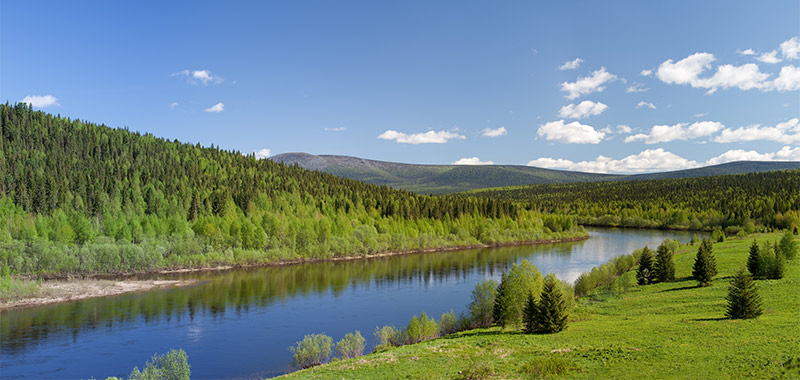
x=80, y=197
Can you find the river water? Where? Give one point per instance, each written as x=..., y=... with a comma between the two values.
x=239, y=324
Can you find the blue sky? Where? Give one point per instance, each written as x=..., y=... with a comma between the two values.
x=595, y=86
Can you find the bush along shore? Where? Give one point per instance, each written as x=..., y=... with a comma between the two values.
x=652, y=313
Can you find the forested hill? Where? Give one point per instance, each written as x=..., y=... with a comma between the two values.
x=735, y=202
x=442, y=179
x=433, y=179
x=76, y=196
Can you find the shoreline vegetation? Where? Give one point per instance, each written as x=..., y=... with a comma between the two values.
x=67, y=288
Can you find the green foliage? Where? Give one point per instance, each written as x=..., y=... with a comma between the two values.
x=755, y=263
x=547, y=366
x=387, y=336
x=478, y=370
x=743, y=299
x=717, y=235
x=645, y=273
x=448, y=323
x=482, y=305
x=550, y=313
x=313, y=350
x=420, y=328
x=606, y=275
x=14, y=289
x=664, y=268
x=788, y=245
x=174, y=365
x=522, y=281
x=351, y=346
x=705, y=265
x=774, y=261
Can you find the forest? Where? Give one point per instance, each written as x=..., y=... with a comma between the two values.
x=737, y=202
x=77, y=197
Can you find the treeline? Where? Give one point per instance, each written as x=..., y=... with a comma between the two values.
x=76, y=196
x=737, y=202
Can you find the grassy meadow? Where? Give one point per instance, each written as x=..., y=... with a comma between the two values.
x=664, y=330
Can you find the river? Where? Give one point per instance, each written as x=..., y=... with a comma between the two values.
x=240, y=323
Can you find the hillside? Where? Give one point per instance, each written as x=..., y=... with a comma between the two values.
x=666, y=330
x=82, y=197
x=441, y=179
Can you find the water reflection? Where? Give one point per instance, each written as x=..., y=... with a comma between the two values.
x=239, y=323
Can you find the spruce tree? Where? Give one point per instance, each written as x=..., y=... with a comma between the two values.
x=664, y=267
x=705, y=266
x=497, y=310
x=743, y=299
x=551, y=311
x=644, y=275
x=530, y=315
x=754, y=261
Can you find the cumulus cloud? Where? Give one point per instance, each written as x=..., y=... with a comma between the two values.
x=685, y=71
x=489, y=132
x=336, y=129
x=587, y=85
x=646, y=161
x=571, y=65
x=786, y=132
x=769, y=57
x=682, y=131
x=636, y=87
x=744, y=77
x=746, y=52
x=472, y=161
x=653, y=160
x=41, y=101
x=646, y=72
x=583, y=109
x=572, y=133
x=788, y=79
x=643, y=104
x=199, y=77
x=791, y=48
x=219, y=107
x=430, y=137
x=262, y=153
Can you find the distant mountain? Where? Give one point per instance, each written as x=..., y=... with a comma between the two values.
x=441, y=179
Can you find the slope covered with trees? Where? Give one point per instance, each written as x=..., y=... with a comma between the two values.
x=76, y=196
x=731, y=202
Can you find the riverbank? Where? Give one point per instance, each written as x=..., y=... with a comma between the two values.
x=65, y=287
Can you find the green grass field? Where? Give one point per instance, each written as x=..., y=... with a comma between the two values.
x=669, y=330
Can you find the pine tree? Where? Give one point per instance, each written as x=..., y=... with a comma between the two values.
x=743, y=299
x=664, y=267
x=644, y=275
x=551, y=312
x=705, y=265
x=754, y=261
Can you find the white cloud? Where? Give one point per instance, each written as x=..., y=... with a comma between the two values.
x=788, y=79
x=769, y=57
x=745, y=77
x=472, y=161
x=787, y=132
x=336, y=129
x=685, y=71
x=572, y=133
x=435, y=137
x=263, y=153
x=643, y=104
x=488, y=132
x=785, y=154
x=682, y=131
x=647, y=161
x=587, y=85
x=746, y=52
x=646, y=73
x=636, y=87
x=41, y=101
x=791, y=48
x=198, y=77
x=571, y=65
x=173, y=106
x=583, y=109
x=219, y=107
x=624, y=129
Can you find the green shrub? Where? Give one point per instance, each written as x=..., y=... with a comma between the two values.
x=788, y=246
x=448, y=324
x=478, y=370
x=351, y=346
x=312, y=350
x=420, y=328
x=547, y=366
x=387, y=336
x=174, y=365
x=483, y=298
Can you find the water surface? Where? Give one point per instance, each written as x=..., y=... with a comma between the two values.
x=239, y=324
